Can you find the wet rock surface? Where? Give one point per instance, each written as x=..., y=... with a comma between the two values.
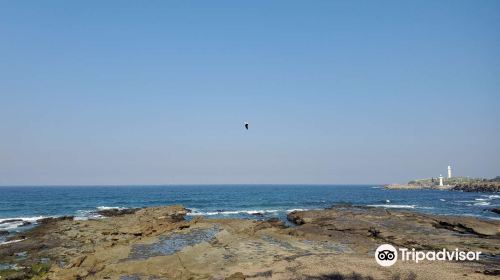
x=171, y=243
x=117, y=212
x=158, y=243
x=478, y=187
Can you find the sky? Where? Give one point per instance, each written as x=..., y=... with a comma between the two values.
x=336, y=92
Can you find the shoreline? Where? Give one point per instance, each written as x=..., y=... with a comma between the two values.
x=332, y=241
x=10, y=226
x=417, y=187
x=463, y=184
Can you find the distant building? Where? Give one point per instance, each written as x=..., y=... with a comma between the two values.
x=449, y=171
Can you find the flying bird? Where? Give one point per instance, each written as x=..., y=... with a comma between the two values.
x=246, y=125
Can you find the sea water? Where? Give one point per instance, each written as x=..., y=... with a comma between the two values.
x=229, y=201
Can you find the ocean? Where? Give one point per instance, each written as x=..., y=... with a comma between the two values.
x=228, y=201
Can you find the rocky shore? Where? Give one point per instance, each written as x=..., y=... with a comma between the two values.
x=455, y=184
x=417, y=187
x=335, y=243
x=478, y=187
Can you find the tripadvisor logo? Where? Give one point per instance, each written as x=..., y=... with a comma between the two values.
x=387, y=255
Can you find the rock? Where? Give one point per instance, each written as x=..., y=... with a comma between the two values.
x=297, y=218
x=4, y=232
x=157, y=243
x=365, y=227
x=236, y=276
x=478, y=187
x=270, y=223
x=258, y=214
x=15, y=275
x=496, y=210
x=25, y=223
x=53, y=220
x=275, y=222
x=117, y=212
x=76, y=262
x=468, y=225
x=416, y=187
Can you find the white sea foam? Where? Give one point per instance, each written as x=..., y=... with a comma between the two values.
x=26, y=219
x=482, y=199
x=482, y=203
x=10, y=226
x=296, y=209
x=100, y=208
x=15, y=224
x=83, y=215
x=393, y=206
x=195, y=212
x=442, y=199
x=12, y=241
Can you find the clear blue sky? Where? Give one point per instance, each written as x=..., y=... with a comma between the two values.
x=156, y=92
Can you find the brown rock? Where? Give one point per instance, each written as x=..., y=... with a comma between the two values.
x=236, y=276
x=53, y=220
x=117, y=212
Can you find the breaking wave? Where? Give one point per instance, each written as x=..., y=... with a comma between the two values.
x=393, y=206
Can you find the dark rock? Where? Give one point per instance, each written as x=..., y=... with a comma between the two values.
x=53, y=220
x=270, y=223
x=117, y=212
x=478, y=187
x=496, y=210
x=236, y=276
x=492, y=271
x=4, y=232
x=296, y=218
x=275, y=222
x=468, y=225
x=25, y=223
x=15, y=275
x=366, y=227
x=258, y=214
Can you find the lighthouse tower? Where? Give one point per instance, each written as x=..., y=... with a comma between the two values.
x=440, y=180
x=449, y=171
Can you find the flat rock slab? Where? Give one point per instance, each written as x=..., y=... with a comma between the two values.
x=337, y=243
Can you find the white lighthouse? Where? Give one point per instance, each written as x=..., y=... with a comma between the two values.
x=449, y=171
x=440, y=180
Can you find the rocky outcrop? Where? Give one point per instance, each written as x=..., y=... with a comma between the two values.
x=52, y=220
x=365, y=227
x=478, y=187
x=496, y=210
x=159, y=243
x=416, y=187
x=117, y=212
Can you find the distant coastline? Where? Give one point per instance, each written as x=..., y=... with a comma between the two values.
x=465, y=184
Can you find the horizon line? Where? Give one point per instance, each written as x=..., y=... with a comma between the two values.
x=193, y=184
